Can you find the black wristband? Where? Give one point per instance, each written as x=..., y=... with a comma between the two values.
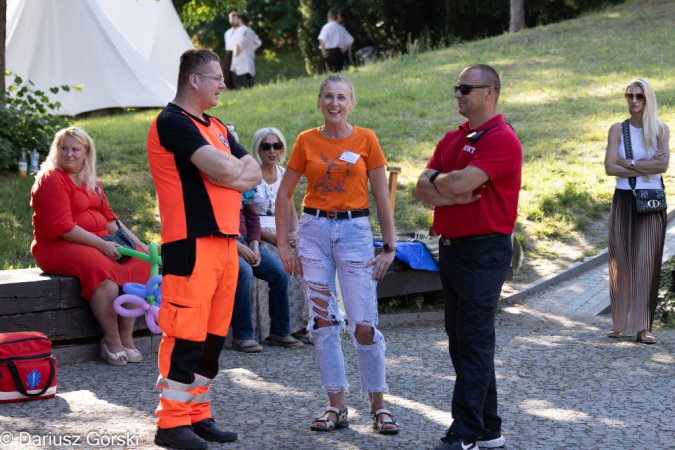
x=433, y=176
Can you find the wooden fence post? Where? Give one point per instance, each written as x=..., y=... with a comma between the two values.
x=393, y=175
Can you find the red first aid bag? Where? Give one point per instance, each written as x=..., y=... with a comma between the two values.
x=27, y=368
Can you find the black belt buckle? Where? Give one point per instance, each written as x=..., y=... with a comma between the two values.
x=331, y=214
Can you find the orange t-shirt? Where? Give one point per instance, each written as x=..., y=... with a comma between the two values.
x=336, y=169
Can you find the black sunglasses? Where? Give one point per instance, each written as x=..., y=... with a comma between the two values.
x=638, y=97
x=465, y=89
x=267, y=146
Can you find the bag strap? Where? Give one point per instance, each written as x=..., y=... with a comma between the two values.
x=18, y=383
x=625, y=126
x=117, y=221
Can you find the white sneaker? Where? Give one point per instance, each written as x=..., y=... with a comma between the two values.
x=495, y=440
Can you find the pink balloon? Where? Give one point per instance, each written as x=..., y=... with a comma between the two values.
x=151, y=317
x=128, y=298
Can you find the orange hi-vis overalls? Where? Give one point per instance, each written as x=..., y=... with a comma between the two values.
x=195, y=314
x=200, y=262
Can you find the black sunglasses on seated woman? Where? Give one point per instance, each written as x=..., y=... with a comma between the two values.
x=266, y=146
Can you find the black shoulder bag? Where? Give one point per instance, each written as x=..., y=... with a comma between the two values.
x=119, y=236
x=647, y=200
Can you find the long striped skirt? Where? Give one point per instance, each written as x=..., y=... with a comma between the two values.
x=635, y=252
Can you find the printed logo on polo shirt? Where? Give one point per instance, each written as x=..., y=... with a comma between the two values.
x=224, y=140
x=470, y=149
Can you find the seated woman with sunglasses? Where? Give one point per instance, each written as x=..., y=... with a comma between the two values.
x=269, y=148
x=70, y=218
x=636, y=240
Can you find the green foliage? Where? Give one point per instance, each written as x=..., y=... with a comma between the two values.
x=312, y=18
x=16, y=229
x=274, y=21
x=575, y=202
x=421, y=25
x=272, y=66
x=25, y=122
x=562, y=90
x=194, y=12
x=665, y=309
x=411, y=303
x=387, y=305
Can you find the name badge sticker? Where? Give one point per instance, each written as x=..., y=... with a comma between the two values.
x=349, y=157
x=647, y=179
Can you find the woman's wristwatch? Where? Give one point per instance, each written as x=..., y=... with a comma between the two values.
x=632, y=164
x=388, y=248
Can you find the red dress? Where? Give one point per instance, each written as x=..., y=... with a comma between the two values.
x=58, y=205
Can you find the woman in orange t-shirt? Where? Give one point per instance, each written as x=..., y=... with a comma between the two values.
x=334, y=235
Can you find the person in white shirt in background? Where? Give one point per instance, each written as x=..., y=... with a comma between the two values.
x=334, y=40
x=229, y=49
x=246, y=42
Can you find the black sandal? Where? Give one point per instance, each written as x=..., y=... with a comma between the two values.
x=342, y=421
x=379, y=425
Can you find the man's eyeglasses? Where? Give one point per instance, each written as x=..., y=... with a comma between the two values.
x=638, y=97
x=213, y=77
x=465, y=89
x=266, y=146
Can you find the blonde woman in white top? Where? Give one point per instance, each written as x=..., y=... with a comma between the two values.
x=636, y=240
x=269, y=148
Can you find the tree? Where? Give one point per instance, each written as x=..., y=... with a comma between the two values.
x=194, y=12
x=517, y=22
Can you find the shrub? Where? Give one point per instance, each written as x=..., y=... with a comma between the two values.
x=25, y=120
x=665, y=308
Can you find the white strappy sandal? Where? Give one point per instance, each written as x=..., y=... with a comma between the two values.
x=114, y=359
x=379, y=424
x=342, y=421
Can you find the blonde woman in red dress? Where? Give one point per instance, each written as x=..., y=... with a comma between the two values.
x=70, y=218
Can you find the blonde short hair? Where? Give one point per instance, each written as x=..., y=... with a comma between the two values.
x=262, y=134
x=87, y=174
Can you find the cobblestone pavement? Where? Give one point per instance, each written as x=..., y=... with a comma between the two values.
x=562, y=385
x=588, y=293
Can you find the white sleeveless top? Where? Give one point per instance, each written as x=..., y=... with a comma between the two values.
x=265, y=197
x=639, y=154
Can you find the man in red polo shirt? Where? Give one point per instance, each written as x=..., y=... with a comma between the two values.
x=473, y=181
x=199, y=171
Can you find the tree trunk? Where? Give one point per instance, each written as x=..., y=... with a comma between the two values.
x=3, y=39
x=517, y=16
x=448, y=10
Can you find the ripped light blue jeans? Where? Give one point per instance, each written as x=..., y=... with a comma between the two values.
x=324, y=247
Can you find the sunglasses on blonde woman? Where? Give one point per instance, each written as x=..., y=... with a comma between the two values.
x=267, y=146
x=638, y=97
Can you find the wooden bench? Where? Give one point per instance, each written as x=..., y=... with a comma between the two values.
x=33, y=301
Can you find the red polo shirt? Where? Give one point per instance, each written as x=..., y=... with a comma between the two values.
x=499, y=154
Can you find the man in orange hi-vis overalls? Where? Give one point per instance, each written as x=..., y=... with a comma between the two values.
x=199, y=172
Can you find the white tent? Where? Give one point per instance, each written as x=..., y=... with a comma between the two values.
x=76, y=43
x=153, y=29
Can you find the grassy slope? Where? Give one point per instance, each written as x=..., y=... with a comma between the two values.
x=562, y=88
